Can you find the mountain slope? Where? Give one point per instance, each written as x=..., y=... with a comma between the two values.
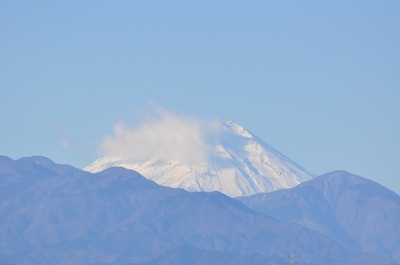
x=56, y=214
x=357, y=212
x=239, y=164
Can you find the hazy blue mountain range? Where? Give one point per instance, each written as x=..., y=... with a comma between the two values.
x=57, y=214
x=360, y=214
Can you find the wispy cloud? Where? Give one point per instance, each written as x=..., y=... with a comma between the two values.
x=58, y=134
x=65, y=143
x=167, y=136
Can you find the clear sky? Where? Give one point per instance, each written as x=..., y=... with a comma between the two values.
x=318, y=80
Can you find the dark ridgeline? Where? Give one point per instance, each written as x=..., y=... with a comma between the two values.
x=57, y=214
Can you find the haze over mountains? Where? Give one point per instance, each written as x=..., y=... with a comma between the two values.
x=237, y=163
x=272, y=211
x=57, y=214
x=359, y=213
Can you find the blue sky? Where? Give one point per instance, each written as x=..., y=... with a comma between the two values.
x=317, y=80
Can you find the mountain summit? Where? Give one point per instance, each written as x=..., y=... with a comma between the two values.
x=239, y=164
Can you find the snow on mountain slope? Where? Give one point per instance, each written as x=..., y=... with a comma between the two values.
x=239, y=164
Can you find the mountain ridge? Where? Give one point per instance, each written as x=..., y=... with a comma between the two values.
x=60, y=215
x=357, y=212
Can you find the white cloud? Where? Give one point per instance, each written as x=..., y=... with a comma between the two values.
x=168, y=136
x=65, y=143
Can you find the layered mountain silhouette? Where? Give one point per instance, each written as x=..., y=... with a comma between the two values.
x=360, y=214
x=57, y=214
x=239, y=164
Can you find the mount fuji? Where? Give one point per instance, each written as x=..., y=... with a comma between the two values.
x=238, y=164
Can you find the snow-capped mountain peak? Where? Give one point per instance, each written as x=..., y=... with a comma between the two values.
x=238, y=164
x=238, y=129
